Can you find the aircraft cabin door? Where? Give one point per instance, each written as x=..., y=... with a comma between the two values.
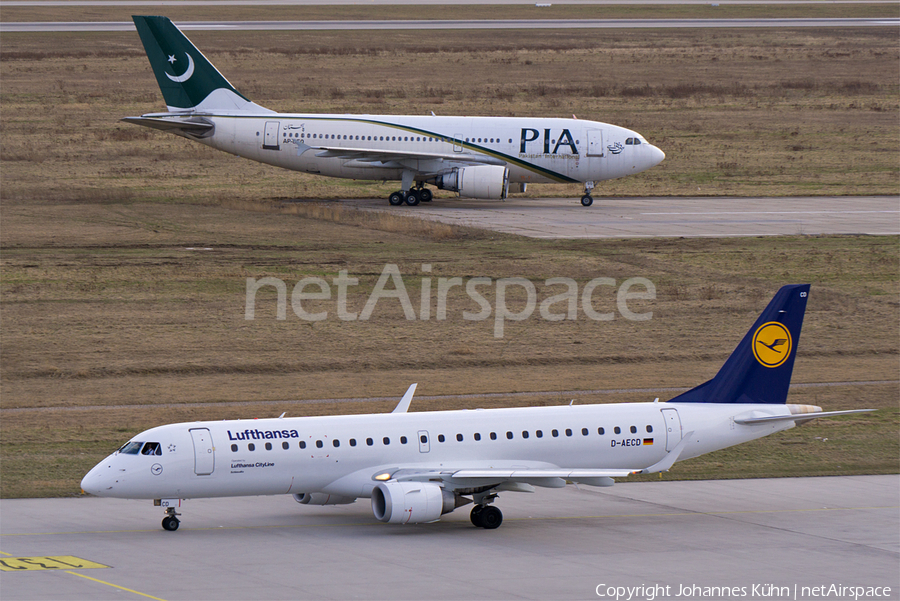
x=673, y=428
x=270, y=141
x=204, y=452
x=595, y=143
x=457, y=142
x=424, y=443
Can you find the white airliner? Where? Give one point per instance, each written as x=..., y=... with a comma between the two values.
x=418, y=466
x=478, y=157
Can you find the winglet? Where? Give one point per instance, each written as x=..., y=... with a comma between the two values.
x=671, y=457
x=403, y=405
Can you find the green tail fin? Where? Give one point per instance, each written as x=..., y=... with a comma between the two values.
x=187, y=79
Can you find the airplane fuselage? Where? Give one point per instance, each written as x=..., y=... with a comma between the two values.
x=342, y=455
x=478, y=157
x=536, y=150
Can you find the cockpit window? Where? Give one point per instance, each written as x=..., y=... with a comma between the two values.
x=151, y=448
x=131, y=448
x=629, y=141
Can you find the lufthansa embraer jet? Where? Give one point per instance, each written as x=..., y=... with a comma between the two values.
x=416, y=467
x=478, y=157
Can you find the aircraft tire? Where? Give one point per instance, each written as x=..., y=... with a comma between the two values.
x=491, y=517
x=426, y=195
x=412, y=198
x=587, y=200
x=396, y=199
x=169, y=523
x=475, y=516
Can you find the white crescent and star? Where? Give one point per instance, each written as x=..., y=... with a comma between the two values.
x=187, y=74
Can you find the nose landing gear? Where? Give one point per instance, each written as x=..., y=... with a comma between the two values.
x=170, y=522
x=587, y=200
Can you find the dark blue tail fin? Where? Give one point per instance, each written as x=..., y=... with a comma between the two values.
x=759, y=370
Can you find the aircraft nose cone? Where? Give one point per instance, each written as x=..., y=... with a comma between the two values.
x=656, y=155
x=96, y=482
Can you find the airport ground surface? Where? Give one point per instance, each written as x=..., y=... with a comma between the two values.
x=554, y=544
x=111, y=302
x=665, y=217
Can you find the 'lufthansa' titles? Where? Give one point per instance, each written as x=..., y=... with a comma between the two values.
x=262, y=434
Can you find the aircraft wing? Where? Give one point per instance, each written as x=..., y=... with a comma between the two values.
x=172, y=125
x=368, y=155
x=488, y=477
x=537, y=475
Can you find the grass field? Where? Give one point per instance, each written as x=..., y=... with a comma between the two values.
x=113, y=319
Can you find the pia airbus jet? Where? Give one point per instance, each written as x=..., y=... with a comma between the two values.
x=416, y=467
x=478, y=157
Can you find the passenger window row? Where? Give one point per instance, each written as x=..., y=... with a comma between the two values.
x=367, y=138
x=292, y=135
x=336, y=443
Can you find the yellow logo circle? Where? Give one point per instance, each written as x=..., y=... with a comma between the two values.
x=772, y=344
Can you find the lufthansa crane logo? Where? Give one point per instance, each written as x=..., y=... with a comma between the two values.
x=772, y=344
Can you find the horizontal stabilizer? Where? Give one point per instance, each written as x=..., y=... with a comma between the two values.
x=173, y=125
x=766, y=419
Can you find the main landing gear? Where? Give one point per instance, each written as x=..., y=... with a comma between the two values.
x=486, y=516
x=587, y=200
x=170, y=522
x=411, y=197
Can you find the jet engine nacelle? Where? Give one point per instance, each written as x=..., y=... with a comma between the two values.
x=411, y=502
x=482, y=181
x=320, y=498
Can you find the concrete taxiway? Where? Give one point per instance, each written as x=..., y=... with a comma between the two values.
x=664, y=216
x=554, y=544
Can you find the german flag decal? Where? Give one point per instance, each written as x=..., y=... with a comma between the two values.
x=648, y=441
